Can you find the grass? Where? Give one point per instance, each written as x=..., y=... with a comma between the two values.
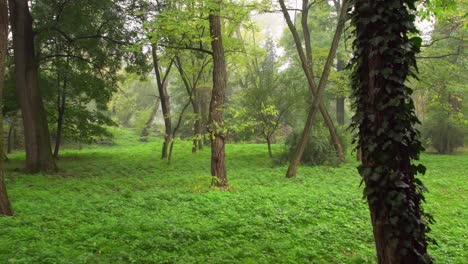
x=121, y=204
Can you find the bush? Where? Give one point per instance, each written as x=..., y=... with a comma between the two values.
x=319, y=149
x=444, y=131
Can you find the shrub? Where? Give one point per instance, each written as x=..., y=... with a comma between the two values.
x=319, y=149
x=444, y=131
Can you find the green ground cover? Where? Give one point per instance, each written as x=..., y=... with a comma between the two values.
x=121, y=204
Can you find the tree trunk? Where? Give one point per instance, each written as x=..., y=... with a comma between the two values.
x=61, y=104
x=216, y=122
x=340, y=65
x=5, y=206
x=270, y=153
x=11, y=136
x=388, y=139
x=340, y=110
x=197, y=125
x=176, y=128
x=145, y=132
x=165, y=102
x=204, y=97
x=36, y=132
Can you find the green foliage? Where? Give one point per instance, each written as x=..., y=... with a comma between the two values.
x=120, y=204
x=445, y=126
x=319, y=149
x=132, y=104
x=442, y=86
x=79, y=50
x=262, y=104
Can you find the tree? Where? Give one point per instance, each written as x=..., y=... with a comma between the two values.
x=316, y=90
x=440, y=91
x=216, y=123
x=384, y=56
x=191, y=80
x=78, y=65
x=36, y=131
x=5, y=206
x=164, y=98
x=264, y=101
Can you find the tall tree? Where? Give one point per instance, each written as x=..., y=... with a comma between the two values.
x=5, y=207
x=317, y=91
x=36, y=131
x=384, y=56
x=216, y=123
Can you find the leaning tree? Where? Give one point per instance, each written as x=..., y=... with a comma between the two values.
x=384, y=56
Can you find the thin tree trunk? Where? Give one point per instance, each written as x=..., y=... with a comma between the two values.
x=165, y=101
x=36, y=132
x=145, y=132
x=340, y=110
x=61, y=104
x=340, y=100
x=192, y=92
x=270, y=153
x=176, y=128
x=5, y=206
x=197, y=124
x=317, y=104
x=216, y=122
x=11, y=136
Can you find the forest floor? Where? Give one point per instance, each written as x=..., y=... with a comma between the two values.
x=122, y=204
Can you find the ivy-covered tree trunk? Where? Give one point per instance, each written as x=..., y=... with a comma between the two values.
x=216, y=122
x=384, y=56
x=165, y=102
x=36, y=131
x=5, y=206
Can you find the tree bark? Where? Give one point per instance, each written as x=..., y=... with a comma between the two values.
x=165, y=101
x=36, y=132
x=145, y=132
x=216, y=122
x=317, y=104
x=5, y=206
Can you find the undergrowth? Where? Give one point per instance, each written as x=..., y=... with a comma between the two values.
x=122, y=204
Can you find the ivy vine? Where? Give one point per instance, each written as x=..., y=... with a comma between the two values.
x=385, y=46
